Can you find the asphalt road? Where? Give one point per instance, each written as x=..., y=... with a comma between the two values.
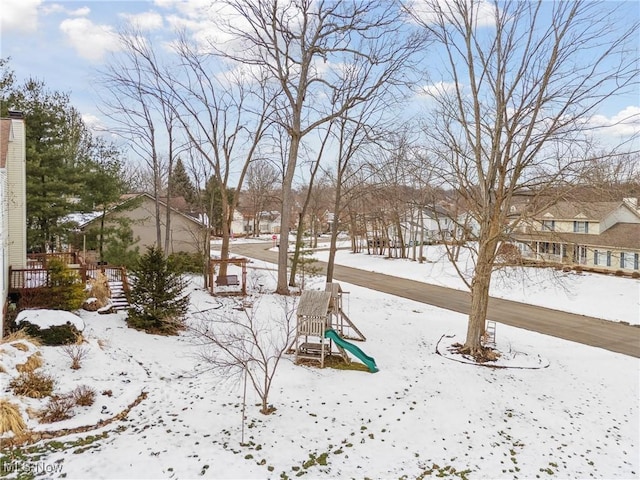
x=613, y=336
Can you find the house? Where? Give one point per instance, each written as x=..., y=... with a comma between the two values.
x=187, y=234
x=604, y=235
x=13, y=203
x=433, y=224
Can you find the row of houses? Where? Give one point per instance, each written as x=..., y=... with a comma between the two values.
x=602, y=235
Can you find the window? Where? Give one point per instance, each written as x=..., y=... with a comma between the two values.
x=595, y=257
x=636, y=261
x=580, y=227
x=608, y=259
x=622, y=258
x=549, y=225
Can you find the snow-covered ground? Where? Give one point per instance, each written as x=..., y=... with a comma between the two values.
x=592, y=294
x=569, y=411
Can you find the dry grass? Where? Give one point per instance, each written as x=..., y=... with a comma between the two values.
x=99, y=288
x=20, y=346
x=32, y=384
x=11, y=419
x=21, y=335
x=33, y=362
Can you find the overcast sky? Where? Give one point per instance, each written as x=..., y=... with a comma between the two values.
x=64, y=43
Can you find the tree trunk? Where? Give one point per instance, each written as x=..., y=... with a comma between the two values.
x=479, y=299
x=285, y=215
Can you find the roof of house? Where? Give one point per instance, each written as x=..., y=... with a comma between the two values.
x=593, y=211
x=619, y=236
x=130, y=196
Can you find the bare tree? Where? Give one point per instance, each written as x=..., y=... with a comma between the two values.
x=313, y=49
x=250, y=342
x=143, y=114
x=520, y=83
x=260, y=190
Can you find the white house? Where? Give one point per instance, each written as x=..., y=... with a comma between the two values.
x=13, y=203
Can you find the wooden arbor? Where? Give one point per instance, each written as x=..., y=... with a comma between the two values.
x=228, y=280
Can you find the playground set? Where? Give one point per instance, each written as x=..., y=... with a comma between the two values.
x=323, y=326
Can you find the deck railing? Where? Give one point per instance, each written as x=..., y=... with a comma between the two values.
x=31, y=278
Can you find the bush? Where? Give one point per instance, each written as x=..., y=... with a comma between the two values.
x=54, y=335
x=619, y=273
x=57, y=409
x=183, y=262
x=76, y=353
x=84, y=396
x=635, y=275
x=158, y=298
x=32, y=384
x=67, y=288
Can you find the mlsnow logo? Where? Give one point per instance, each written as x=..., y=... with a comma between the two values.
x=34, y=468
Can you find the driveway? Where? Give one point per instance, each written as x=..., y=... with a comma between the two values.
x=613, y=336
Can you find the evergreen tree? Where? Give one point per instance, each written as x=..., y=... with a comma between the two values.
x=158, y=299
x=58, y=145
x=104, y=186
x=181, y=184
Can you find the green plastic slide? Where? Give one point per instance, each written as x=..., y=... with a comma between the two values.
x=350, y=347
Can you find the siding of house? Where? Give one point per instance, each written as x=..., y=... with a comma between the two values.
x=4, y=243
x=16, y=195
x=611, y=243
x=187, y=234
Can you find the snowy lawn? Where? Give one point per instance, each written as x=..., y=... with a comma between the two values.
x=570, y=412
x=595, y=295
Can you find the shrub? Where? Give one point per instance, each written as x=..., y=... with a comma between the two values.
x=158, y=298
x=67, y=287
x=32, y=384
x=635, y=275
x=619, y=273
x=578, y=268
x=54, y=335
x=57, y=409
x=183, y=262
x=10, y=418
x=76, y=353
x=84, y=396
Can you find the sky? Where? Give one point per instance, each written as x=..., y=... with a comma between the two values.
x=66, y=43
x=560, y=409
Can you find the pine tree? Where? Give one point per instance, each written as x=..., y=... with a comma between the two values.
x=181, y=184
x=58, y=145
x=158, y=299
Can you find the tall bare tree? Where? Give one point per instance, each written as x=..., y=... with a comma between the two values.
x=260, y=190
x=314, y=49
x=135, y=98
x=519, y=84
